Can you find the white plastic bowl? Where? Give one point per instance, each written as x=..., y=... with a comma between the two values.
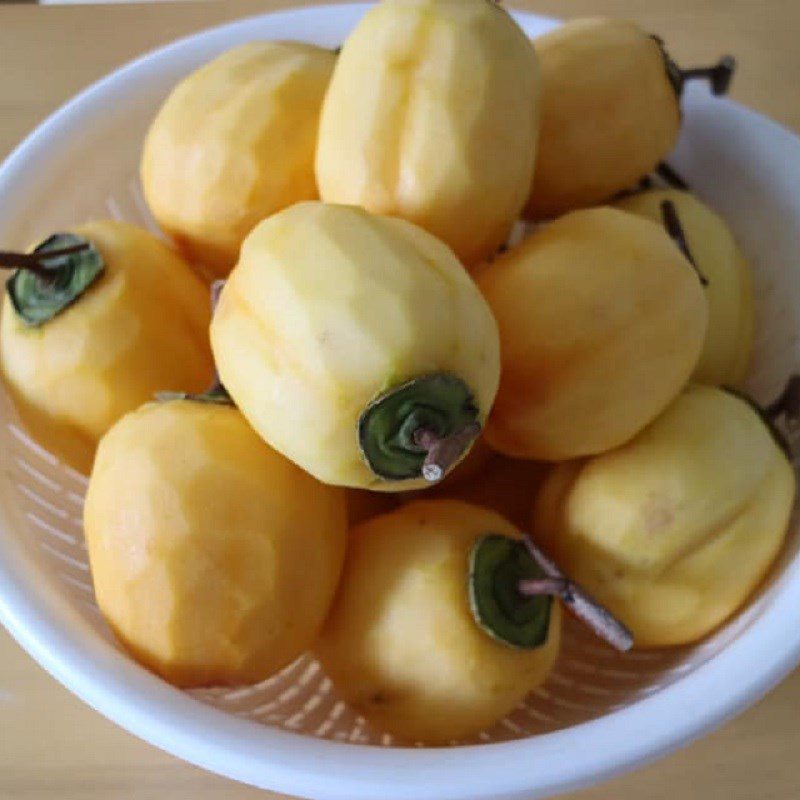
x=600, y=713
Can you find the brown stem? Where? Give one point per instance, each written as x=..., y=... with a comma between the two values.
x=554, y=586
x=788, y=403
x=718, y=75
x=671, y=177
x=578, y=602
x=32, y=262
x=443, y=451
x=675, y=230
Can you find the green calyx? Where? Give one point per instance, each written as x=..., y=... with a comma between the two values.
x=44, y=285
x=419, y=429
x=498, y=565
x=214, y=395
x=719, y=75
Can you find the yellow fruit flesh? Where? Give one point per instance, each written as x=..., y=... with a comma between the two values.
x=401, y=644
x=608, y=114
x=432, y=116
x=675, y=590
x=234, y=143
x=142, y=328
x=729, y=339
x=601, y=323
x=328, y=307
x=202, y=540
x=659, y=495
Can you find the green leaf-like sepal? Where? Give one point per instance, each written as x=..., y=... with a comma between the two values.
x=497, y=565
x=38, y=296
x=216, y=395
x=389, y=429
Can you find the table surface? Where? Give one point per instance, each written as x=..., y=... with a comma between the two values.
x=52, y=747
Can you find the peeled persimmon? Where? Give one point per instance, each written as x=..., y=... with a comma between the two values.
x=214, y=559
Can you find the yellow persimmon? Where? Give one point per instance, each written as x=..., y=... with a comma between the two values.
x=602, y=321
x=674, y=530
x=141, y=327
x=401, y=643
x=344, y=336
x=233, y=143
x=214, y=559
x=610, y=111
x=728, y=283
x=432, y=116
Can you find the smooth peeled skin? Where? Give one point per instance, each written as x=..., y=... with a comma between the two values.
x=432, y=116
x=602, y=321
x=233, y=143
x=694, y=511
x=729, y=338
x=142, y=328
x=328, y=307
x=401, y=645
x=201, y=542
x=608, y=114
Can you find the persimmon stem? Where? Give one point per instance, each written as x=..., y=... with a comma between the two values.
x=675, y=230
x=718, y=75
x=671, y=176
x=787, y=404
x=553, y=586
x=443, y=451
x=577, y=601
x=33, y=262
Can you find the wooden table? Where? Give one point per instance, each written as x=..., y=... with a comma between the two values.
x=54, y=748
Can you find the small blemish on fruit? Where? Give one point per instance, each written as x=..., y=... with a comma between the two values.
x=657, y=513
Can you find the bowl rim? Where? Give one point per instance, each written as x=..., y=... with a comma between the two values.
x=103, y=677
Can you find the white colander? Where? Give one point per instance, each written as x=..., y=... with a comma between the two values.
x=599, y=712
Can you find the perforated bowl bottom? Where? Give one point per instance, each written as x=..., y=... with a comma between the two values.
x=87, y=170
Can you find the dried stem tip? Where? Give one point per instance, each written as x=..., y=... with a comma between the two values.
x=675, y=230
x=788, y=403
x=719, y=75
x=671, y=176
x=443, y=452
x=36, y=262
x=577, y=601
